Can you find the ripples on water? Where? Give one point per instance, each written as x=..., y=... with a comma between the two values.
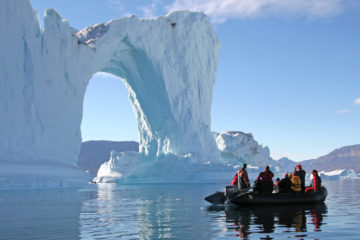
x=172, y=212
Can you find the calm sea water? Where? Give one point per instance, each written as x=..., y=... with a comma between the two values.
x=172, y=212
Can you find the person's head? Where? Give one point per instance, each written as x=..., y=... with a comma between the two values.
x=278, y=179
x=298, y=167
x=286, y=174
x=314, y=172
x=267, y=168
x=244, y=165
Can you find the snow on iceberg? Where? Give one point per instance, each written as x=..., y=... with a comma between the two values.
x=339, y=174
x=168, y=65
x=235, y=147
x=119, y=164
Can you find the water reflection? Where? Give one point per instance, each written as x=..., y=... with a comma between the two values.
x=171, y=212
x=267, y=219
x=39, y=214
x=144, y=212
x=108, y=213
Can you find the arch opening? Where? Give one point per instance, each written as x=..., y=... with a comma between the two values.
x=107, y=114
x=108, y=125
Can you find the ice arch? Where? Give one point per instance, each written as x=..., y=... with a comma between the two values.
x=168, y=64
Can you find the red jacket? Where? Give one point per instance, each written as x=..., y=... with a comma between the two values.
x=266, y=176
x=316, y=182
x=277, y=183
x=243, y=174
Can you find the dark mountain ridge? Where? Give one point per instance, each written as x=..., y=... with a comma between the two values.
x=347, y=157
x=95, y=153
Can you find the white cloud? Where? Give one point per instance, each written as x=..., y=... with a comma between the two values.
x=341, y=111
x=357, y=101
x=221, y=10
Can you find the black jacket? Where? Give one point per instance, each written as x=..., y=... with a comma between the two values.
x=285, y=185
x=301, y=175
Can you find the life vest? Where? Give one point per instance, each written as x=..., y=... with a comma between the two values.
x=235, y=180
x=316, y=182
x=243, y=179
x=296, y=181
x=240, y=179
x=301, y=173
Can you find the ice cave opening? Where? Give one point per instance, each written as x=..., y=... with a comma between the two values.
x=107, y=114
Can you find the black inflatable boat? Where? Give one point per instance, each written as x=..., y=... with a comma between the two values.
x=252, y=198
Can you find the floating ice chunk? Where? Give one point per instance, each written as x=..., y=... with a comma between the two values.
x=339, y=174
x=237, y=147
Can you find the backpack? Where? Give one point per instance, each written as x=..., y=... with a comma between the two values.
x=296, y=181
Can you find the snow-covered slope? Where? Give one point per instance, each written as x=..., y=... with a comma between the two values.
x=168, y=65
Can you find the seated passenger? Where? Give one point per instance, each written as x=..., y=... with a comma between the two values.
x=241, y=178
x=315, y=184
x=266, y=181
x=277, y=182
x=296, y=182
x=301, y=173
x=257, y=185
x=285, y=184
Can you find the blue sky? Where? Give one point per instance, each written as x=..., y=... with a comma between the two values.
x=289, y=71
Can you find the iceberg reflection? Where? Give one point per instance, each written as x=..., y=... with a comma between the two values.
x=145, y=212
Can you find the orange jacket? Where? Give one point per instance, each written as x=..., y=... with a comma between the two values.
x=243, y=174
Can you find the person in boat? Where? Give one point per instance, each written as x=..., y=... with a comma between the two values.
x=241, y=178
x=276, y=185
x=277, y=182
x=257, y=185
x=285, y=184
x=296, y=182
x=265, y=178
x=301, y=173
x=315, y=184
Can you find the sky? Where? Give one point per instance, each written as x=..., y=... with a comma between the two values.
x=289, y=71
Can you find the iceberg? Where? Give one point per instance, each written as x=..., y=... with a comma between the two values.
x=120, y=164
x=168, y=65
x=235, y=148
x=339, y=174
